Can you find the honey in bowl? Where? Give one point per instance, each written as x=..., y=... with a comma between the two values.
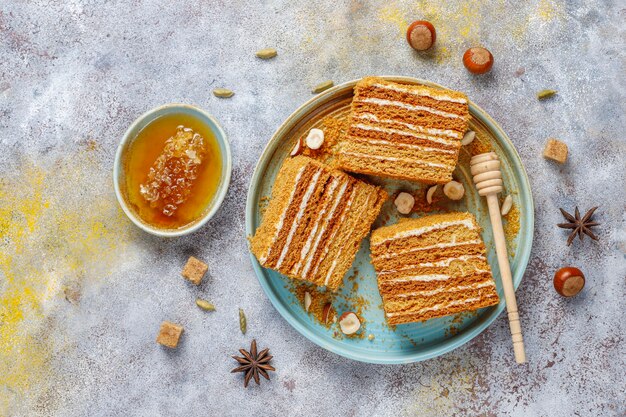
x=173, y=169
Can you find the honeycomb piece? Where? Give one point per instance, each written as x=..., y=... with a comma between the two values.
x=172, y=175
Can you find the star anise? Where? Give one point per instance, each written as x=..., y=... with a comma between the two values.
x=579, y=225
x=254, y=364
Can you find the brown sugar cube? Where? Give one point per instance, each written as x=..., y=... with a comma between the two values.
x=169, y=334
x=194, y=270
x=555, y=150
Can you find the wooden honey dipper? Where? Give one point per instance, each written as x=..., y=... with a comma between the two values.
x=486, y=173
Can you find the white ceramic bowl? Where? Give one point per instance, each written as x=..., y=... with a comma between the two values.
x=130, y=136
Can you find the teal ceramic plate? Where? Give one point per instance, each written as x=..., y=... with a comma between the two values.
x=409, y=342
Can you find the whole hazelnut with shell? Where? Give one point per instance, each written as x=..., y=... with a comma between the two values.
x=478, y=60
x=569, y=281
x=421, y=35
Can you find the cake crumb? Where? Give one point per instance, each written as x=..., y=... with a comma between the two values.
x=169, y=334
x=334, y=127
x=263, y=203
x=555, y=150
x=481, y=144
x=319, y=299
x=423, y=206
x=194, y=270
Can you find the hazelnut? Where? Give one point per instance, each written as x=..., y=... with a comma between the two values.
x=454, y=190
x=315, y=139
x=569, y=281
x=478, y=60
x=421, y=35
x=349, y=323
x=507, y=205
x=404, y=202
x=429, y=194
x=327, y=313
x=468, y=138
x=297, y=149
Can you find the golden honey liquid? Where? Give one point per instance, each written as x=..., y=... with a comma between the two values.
x=144, y=151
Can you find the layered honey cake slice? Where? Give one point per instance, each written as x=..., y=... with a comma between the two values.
x=431, y=267
x=315, y=222
x=403, y=131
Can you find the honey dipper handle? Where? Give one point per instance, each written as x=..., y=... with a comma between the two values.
x=507, y=281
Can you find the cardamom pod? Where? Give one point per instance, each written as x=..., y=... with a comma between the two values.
x=242, y=321
x=543, y=94
x=267, y=53
x=205, y=305
x=223, y=92
x=322, y=86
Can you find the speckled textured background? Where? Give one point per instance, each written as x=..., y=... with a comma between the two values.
x=82, y=291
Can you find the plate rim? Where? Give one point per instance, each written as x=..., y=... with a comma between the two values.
x=447, y=345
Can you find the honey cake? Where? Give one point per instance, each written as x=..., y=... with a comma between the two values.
x=315, y=222
x=410, y=132
x=431, y=267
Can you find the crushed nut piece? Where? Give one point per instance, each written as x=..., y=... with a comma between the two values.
x=327, y=314
x=468, y=138
x=315, y=139
x=506, y=206
x=404, y=202
x=349, y=323
x=297, y=149
x=429, y=194
x=454, y=190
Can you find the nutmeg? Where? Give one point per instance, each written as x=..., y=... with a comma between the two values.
x=569, y=281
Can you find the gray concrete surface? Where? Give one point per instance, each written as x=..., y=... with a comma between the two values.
x=83, y=291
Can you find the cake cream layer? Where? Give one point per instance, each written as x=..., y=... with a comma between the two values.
x=315, y=222
x=431, y=267
x=403, y=131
